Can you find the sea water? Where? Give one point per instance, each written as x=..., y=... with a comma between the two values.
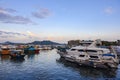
x=48, y=65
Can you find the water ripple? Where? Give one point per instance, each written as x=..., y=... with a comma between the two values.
x=47, y=65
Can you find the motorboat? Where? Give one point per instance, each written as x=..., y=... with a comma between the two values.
x=91, y=56
x=17, y=54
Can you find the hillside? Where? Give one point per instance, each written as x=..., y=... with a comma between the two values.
x=45, y=42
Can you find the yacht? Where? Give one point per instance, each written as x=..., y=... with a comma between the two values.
x=92, y=56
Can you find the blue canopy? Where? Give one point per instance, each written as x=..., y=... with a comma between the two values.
x=31, y=48
x=108, y=55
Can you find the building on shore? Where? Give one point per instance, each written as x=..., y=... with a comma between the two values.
x=73, y=43
x=118, y=42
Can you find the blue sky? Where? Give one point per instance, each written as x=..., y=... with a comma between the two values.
x=59, y=20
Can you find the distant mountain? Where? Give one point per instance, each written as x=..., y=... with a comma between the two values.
x=10, y=43
x=45, y=43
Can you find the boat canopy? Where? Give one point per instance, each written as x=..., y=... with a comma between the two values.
x=31, y=48
x=112, y=55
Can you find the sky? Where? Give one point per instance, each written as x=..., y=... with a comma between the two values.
x=59, y=20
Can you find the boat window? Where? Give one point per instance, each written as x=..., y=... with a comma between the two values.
x=73, y=49
x=93, y=56
x=81, y=55
x=81, y=50
x=102, y=51
x=91, y=51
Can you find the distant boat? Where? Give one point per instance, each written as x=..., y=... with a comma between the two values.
x=45, y=47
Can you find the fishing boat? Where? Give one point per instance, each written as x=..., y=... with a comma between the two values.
x=31, y=50
x=36, y=49
x=5, y=50
x=17, y=54
x=92, y=56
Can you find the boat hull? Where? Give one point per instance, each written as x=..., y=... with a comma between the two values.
x=88, y=62
x=17, y=56
x=5, y=52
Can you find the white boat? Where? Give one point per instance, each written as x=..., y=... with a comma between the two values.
x=92, y=56
x=117, y=49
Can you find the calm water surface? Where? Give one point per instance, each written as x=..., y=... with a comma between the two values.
x=47, y=65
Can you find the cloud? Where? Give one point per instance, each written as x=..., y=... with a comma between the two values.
x=7, y=17
x=42, y=13
x=33, y=35
x=18, y=37
x=10, y=34
x=109, y=10
x=13, y=36
x=30, y=33
x=7, y=10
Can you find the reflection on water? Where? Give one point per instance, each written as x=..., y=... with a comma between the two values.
x=30, y=56
x=4, y=57
x=17, y=60
x=47, y=65
x=88, y=71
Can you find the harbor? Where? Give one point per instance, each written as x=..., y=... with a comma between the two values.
x=60, y=40
x=48, y=65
